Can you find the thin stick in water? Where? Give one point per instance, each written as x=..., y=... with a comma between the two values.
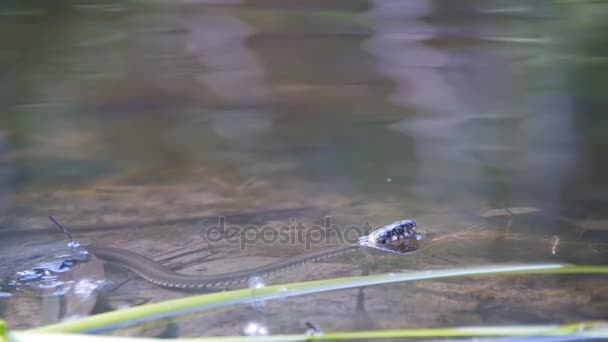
x=65, y=231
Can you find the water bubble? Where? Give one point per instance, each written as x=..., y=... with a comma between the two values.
x=263, y=331
x=255, y=329
x=256, y=283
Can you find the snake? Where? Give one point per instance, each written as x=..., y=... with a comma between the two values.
x=152, y=271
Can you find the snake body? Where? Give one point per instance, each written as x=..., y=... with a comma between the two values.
x=160, y=275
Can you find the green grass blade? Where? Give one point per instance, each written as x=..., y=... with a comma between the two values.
x=127, y=317
x=598, y=330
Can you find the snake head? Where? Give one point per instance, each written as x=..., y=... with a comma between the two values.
x=395, y=231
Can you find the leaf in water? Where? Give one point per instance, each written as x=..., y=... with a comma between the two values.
x=510, y=211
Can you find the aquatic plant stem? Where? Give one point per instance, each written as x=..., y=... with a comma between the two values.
x=597, y=330
x=128, y=317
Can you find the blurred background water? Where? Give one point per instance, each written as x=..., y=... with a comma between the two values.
x=118, y=112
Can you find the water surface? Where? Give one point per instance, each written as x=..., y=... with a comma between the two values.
x=138, y=124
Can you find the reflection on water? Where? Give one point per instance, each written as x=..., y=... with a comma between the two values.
x=62, y=283
x=469, y=122
x=232, y=73
x=150, y=119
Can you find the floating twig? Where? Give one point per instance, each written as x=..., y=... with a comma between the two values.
x=66, y=232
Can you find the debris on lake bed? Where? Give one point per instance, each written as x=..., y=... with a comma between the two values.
x=507, y=212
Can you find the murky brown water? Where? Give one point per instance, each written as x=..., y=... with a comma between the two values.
x=138, y=124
